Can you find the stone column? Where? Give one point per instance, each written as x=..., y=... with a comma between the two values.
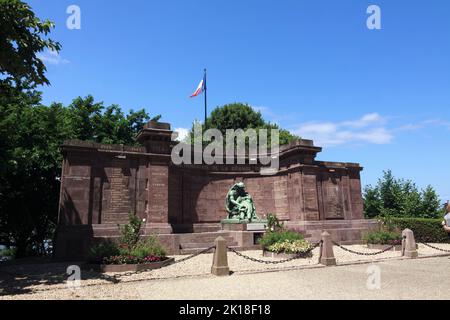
x=409, y=248
x=220, y=260
x=158, y=195
x=327, y=257
x=156, y=137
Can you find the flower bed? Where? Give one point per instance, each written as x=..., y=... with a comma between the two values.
x=282, y=255
x=130, y=267
x=131, y=253
x=280, y=243
x=131, y=259
x=288, y=248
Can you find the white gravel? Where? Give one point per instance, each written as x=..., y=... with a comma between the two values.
x=47, y=281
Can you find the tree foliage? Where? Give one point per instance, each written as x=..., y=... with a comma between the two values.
x=22, y=37
x=30, y=137
x=400, y=198
x=242, y=116
x=31, y=133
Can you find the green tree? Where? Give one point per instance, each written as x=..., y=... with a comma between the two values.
x=241, y=116
x=28, y=185
x=93, y=121
x=400, y=198
x=22, y=37
x=30, y=138
x=235, y=116
x=372, y=201
x=431, y=204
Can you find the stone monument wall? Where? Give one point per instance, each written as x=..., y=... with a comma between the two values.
x=102, y=184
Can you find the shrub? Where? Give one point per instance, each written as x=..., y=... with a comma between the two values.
x=131, y=249
x=425, y=230
x=8, y=253
x=130, y=232
x=104, y=249
x=148, y=247
x=273, y=223
x=290, y=246
x=383, y=237
x=271, y=238
x=400, y=198
x=131, y=259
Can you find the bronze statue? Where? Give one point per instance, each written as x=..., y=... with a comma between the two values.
x=239, y=204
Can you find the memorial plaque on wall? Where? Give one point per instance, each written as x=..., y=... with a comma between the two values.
x=281, y=198
x=333, y=200
x=295, y=196
x=310, y=197
x=119, y=202
x=158, y=193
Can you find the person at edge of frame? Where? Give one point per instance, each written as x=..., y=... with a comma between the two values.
x=446, y=222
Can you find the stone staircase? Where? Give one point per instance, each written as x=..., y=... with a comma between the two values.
x=195, y=242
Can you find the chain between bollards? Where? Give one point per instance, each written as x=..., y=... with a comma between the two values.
x=436, y=248
x=364, y=253
x=116, y=278
x=297, y=256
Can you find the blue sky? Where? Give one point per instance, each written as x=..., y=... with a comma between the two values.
x=377, y=97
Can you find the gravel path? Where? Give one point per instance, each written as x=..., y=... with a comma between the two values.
x=47, y=281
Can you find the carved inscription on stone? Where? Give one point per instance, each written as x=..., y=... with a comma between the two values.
x=281, y=198
x=310, y=197
x=333, y=200
x=119, y=204
x=158, y=193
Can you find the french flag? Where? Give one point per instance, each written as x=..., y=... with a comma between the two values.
x=200, y=89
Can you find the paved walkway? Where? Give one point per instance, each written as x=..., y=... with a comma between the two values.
x=400, y=279
x=403, y=279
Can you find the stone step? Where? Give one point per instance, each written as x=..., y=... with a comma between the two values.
x=120, y=210
x=202, y=237
x=115, y=218
x=235, y=247
x=204, y=245
x=115, y=221
x=208, y=243
x=210, y=238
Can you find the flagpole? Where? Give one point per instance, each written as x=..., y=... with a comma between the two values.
x=206, y=105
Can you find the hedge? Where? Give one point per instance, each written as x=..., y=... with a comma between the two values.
x=425, y=230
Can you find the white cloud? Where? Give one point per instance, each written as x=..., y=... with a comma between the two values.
x=370, y=128
x=52, y=57
x=377, y=136
x=366, y=120
x=182, y=133
x=274, y=116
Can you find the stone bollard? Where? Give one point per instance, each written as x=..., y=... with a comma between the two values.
x=409, y=248
x=327, y=257
x=220, y=260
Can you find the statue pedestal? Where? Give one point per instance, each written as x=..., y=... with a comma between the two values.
x=243, y=225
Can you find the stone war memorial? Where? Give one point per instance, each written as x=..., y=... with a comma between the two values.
x=190, y=205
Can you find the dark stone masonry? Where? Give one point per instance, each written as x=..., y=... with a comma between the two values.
x=183, y=204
